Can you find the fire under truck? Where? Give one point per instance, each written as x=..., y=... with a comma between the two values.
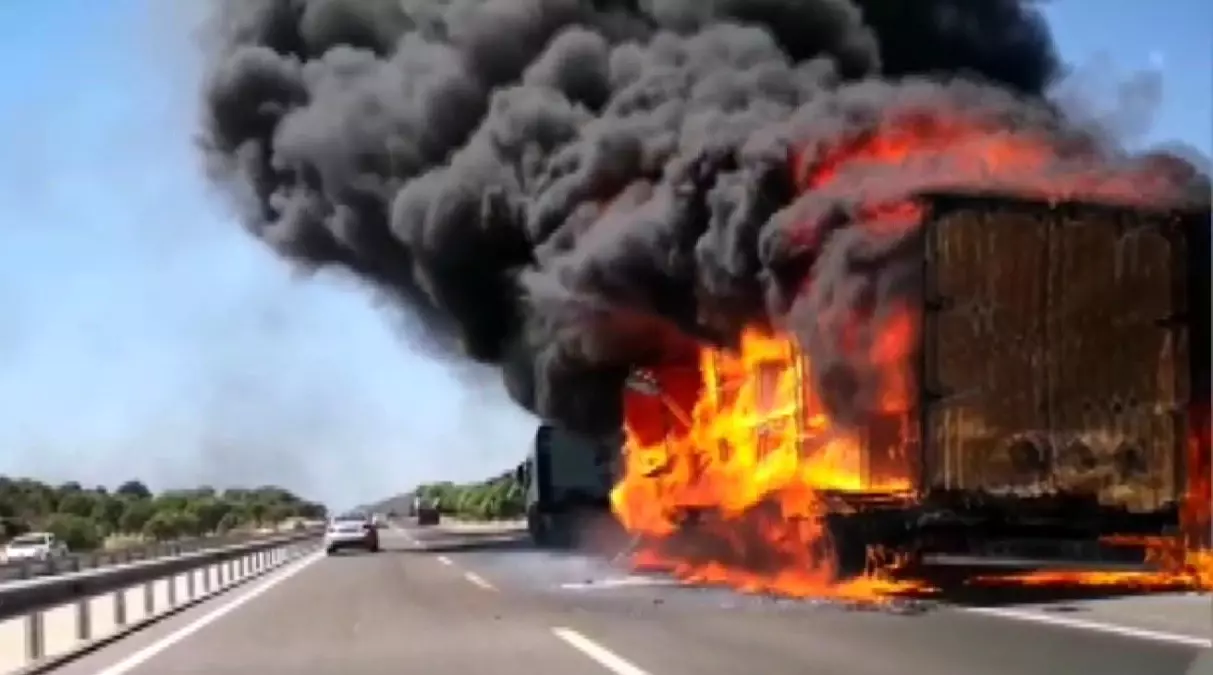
x=1062, y=380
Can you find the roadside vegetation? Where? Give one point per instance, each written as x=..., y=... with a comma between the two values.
x=498, y=498
x=88, y=518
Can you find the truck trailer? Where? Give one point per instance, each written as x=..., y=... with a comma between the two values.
x=1061, y=389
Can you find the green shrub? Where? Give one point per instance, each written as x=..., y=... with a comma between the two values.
x=498, y=498
x=83, y=517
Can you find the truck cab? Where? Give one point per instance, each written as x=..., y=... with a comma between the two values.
x=568, y=478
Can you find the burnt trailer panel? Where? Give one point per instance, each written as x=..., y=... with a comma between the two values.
x=1061, y=379
x=1064, y=364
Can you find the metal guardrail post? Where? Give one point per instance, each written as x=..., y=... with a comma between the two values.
x=84, y=620
x=119, y=608
x=149, y=598
x=34, y=637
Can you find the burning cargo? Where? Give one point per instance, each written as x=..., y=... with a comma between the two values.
x=1045, y=388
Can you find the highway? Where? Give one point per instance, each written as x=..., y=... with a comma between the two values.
x=468, y=603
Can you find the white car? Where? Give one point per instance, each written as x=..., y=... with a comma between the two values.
x=351, y=531
x=34, y=546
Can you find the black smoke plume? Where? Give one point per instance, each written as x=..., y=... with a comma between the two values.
x=568, y=188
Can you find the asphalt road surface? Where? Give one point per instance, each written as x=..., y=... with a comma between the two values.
x=464, y=604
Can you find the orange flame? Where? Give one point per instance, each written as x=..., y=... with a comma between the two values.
x=730, y=462
x=741, y=443
x=914, y=152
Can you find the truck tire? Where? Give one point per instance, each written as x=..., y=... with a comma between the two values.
x=848, y=546
x=538, y=527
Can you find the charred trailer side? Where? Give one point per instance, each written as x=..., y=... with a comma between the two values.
x=1063, y=377
x=1057, y=391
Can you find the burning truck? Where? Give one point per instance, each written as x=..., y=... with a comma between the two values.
x=878, y=293
x=1043, y=395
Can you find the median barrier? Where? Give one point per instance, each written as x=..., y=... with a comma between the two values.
x=46, y=621
x=76, y=562
x=477, y=526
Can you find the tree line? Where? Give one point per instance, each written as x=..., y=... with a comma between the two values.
x=85, y=518
x=498, y=498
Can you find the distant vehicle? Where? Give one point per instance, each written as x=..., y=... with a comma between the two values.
x=426, y=511
x=34, y=546
x=428, y=515
x=353, y=530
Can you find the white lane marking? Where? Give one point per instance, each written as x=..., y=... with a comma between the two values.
x=408, y=537
x=143, y=655
x=599, y=654
x=479, y=581
x=620, y=582
x=1081, y=624
x=445, y=560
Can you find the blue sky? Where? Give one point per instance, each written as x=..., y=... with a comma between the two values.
x=144, y=335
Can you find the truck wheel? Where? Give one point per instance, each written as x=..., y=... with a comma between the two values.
x=564, y=530
x=848, y=546
x=536, y=526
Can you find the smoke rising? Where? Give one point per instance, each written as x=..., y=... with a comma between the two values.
x=568, y=188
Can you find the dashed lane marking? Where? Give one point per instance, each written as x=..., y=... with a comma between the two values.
x=478, y=580
x=630, y=581
x=1082, y=624
x=599, y=654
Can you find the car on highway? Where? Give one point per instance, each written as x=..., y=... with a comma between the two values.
x=38, y=546
x=351, y=531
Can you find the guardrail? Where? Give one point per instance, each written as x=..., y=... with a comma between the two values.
x=77, y=562
x=46, y=621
